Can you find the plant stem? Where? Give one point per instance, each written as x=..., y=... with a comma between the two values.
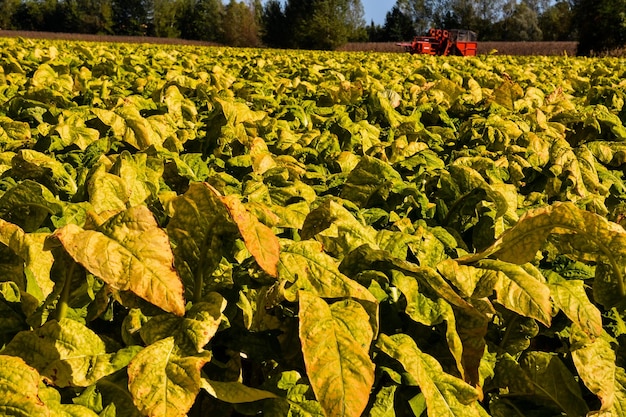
x=62, y=305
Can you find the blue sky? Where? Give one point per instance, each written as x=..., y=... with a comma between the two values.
x=376, y=10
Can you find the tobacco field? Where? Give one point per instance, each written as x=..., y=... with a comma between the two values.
x=195, y=231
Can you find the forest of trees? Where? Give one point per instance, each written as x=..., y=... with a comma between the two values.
x=325, y=24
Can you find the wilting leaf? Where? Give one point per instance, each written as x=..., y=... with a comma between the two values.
x=259, y=239
x=235, y=392
x=138, y=256
x=335, y=345
x=445, y=394
x=19, y=388
x=162, y=384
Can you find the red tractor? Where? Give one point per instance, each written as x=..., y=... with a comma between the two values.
x=444, y=42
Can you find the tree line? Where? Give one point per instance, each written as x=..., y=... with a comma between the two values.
x=325, y=24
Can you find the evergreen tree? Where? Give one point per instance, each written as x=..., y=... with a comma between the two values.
x=601, y=25
x=130, y=17
x=275, y=27
x=398, y=26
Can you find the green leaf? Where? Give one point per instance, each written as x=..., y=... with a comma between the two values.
x=29, y=164
x=429, y=313
x=520, y=291
x=235, y=392
x=371, y=179
x=67, y=353
x=384, y=403
x=19, y=389
x=571, y=298
x=162, y=384
x=335, y=345
x=52, y=398
x=28, y=204
x=445, y=394
x=192, y=332
x=198, y=223
x=595, y=363
x=543, y=375
x=138, y=256
x=578, y=230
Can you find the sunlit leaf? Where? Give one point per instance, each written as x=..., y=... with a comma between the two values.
x=19, y=388
x=162, y=384
x=335, y=344
x=138, y=256
x=445, y=394
x=235, y=392
x=259, y=239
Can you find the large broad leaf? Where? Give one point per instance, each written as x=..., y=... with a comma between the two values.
x=129, y=252
x=67, y=353
x=37, y=262
x=107, y=192
x=198, y=223
x=192, y=332
x=28, y=204
x=29, y=164
x=429, y=313
x=519, y=291
x=371, y=179
x=163, y=385
x=335, y=345
x=19, y=388
x=445, y=394
x=338, y=230
x=542, y=375
x=571, y=298
x=595, y=363
x=305, y=266
x=235, y=392
x=580, y=232
x=259, y=239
